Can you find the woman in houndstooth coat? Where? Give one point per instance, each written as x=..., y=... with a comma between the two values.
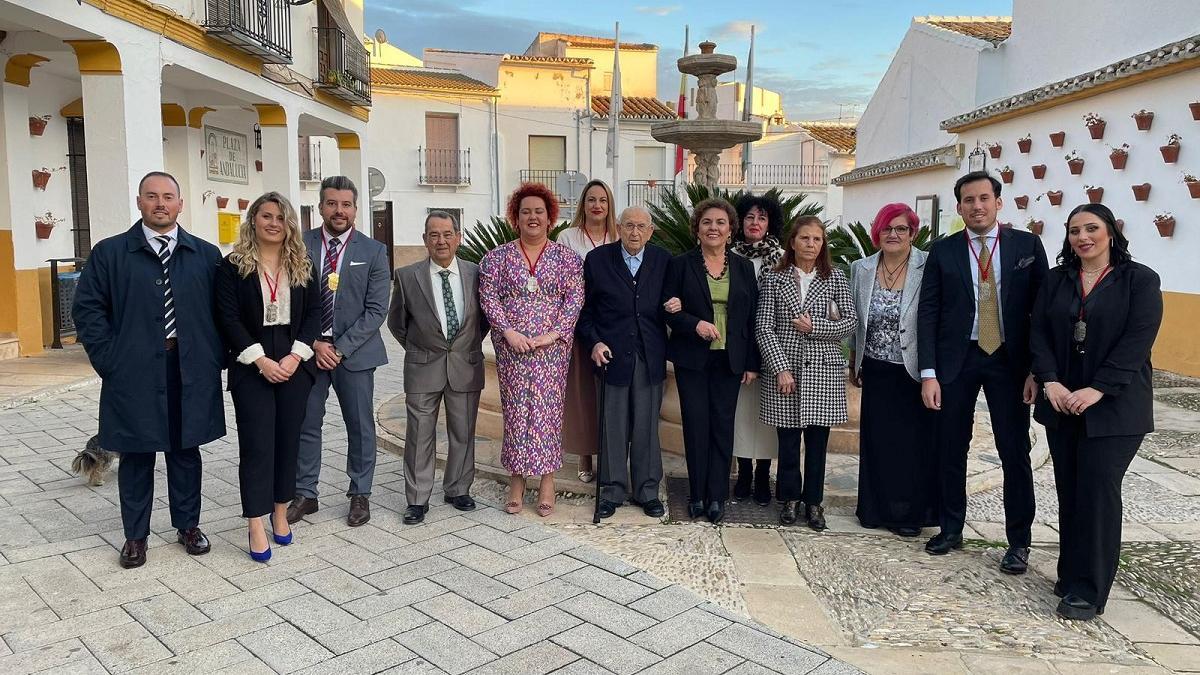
x=805, y=310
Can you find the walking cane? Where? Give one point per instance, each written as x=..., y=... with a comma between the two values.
x=603, y=435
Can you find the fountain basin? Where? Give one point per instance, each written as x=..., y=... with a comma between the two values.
x=707, y=64
x=707, y=135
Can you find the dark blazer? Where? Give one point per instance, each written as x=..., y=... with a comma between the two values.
x=1123, y=314
x=240, y=313
x=361, y=306
x=118, y=314
x=686, y=280
x=947, y=309
x=623, y=311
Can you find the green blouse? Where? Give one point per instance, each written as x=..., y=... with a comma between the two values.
x=719, y=289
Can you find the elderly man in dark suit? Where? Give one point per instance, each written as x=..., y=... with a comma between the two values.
x=622, y=324
x=973, y=321
x=144, y=297
x=435, y=316
x=353, y=271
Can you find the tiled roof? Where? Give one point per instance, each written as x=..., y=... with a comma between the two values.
x=947, y=156
x=425, y=78
x=1165, y=59
x=993, y=29
x=564, y=60
x=590, y=42
x=841, y=136
x=634, y=107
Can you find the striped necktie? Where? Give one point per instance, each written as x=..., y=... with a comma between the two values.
x=164, y=255
x=326, y=292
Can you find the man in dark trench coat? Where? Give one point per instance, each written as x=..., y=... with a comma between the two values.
x=144, y=312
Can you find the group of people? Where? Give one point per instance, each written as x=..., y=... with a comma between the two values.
x=755, y=319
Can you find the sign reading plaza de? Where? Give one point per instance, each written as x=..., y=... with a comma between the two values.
x=226, y=156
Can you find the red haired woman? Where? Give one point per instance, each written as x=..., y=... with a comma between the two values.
x=531, y=290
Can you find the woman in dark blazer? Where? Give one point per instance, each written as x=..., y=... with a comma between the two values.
x=713, y=349
x=269, y=310
x=1094, y=323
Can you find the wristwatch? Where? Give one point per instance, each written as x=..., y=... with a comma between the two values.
x=338, y=353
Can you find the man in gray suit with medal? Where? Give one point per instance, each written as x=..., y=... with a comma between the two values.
x=353, y=274
x=435, y=316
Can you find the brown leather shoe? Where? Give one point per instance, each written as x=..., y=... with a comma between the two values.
x=300, y=507
x=133, y=553
x=194, y=541
x=360, y=511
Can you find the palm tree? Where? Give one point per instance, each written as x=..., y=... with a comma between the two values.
x=672, y=220
x=484, y=237
x=848, y=243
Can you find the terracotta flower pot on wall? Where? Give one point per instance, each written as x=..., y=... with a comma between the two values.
x=994, y=150
x=1097, y=130
x=1007, y=176
x=1095, y=195
x=40, y=179
x=1195, y=108
x=1170, y=153
x=1194, y=188
x=258, y=165
x=43, y=229
x=222, y=202
x=37, y=126
x=1143, y=120
x=1036, y=227
x=1076, y=166
x=1166, y=226
x=1055, y=197
x=1141, y=192
x=1022, y=202
x=1024, y=145
x=1120, y=225
x=1039, y=171
x=1118, y=160
x=242, y=204
x=1057, y=138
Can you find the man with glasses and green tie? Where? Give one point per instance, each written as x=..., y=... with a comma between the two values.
x=436, y=318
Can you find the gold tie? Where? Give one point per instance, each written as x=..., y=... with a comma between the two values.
x=989, y=304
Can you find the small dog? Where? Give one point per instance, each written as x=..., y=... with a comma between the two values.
x=93, y=462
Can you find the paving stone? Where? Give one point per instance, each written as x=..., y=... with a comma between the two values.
x=606, y=614
x=31, y=637
x=220, y=630
x=166, y=613
x=278, y=571
x=199, y=586
x=460, y=614
x=57, y=655
x=313, y=614
x=491, y=538
x=369, y=659
x=534, y=533
x=441, y=646
x=381, y=627
x=765, y=650
x=502, y=521
x=528, y=576
x=534, y=598
x=482, y=560
x=433, y=529
x=582, y=667
x=537, y=659
x=1139, y=622
x=414, y=667
x=403, y=574
x=356, y=559
x=247, y=600
x=53, y=548
x=122, y=650
x=668, y=602
x=424, y=549
x=602, y=560
x=284, y=648
x=371, y=538
x=1180, y=658
x=207, y=660
x=648, y=580
x=605, y=649
x=698, y=659
x=527, y=630
x=393, y=598
x=21, y=607
x=679, y=632
x=472, y=585
x=606, y=584
x=543, y=549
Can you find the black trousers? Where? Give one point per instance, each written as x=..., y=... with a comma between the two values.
x=632, y=462
x=790, y=485
x=707, y=402
x=135, y=473
x=1002, y=383
x=1087, y=475
x=268, y=425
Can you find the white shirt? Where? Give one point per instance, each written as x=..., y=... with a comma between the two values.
x=283, y=317
x=326, y=235
x=456, y=291
x=804, y=281
x=172, y=238
x=576, y=239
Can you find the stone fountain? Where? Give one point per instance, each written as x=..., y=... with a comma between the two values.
x=707, y=136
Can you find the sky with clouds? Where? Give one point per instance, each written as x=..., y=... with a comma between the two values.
x=824, y=58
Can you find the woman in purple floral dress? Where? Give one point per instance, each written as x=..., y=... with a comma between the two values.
x=531, y=290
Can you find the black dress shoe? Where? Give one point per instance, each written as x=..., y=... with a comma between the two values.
x=788, y=514
x=461, y=502
x=360, y=511
x=300, y=507
x=745, y=479
x=716, y=512
x=415, y=514
x=1015, y=561
x=1076, y=608
x=1059, y=590
x=606, y=509
x=815, y=514
x=194, y=541
x=762, y=482
x=906, y=531
x=133, y=553
x=654, y=508
x=941, y=543
x=695, y=509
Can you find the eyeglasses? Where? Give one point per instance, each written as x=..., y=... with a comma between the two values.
x=438, y=236
x=639, y=227
x=901, y=231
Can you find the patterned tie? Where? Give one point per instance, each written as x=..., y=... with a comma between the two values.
x=164, y=254
x=326, y=291
x=989, y=303
x=448, y=301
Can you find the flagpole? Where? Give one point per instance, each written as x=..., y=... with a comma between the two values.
x=615, y=113
x=680, y=158
x=747, y=113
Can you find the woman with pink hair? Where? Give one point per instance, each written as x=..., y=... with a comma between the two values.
x=896, y=478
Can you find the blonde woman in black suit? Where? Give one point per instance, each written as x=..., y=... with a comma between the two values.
x=269, y=311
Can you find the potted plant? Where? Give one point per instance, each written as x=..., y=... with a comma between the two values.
x=1035, y=226
x=1006, y=174
x=1194, y=106
x=222, y=202
x=242, y=204
x=45, y=224
x=42, y=176
x=1165, y=222
x=1022, y=202
x=1170, y=151
x=1039, y=171
x=1119, y=156
x=1193, y=184
x=1055, y=197
x=1120, y=225
x=1094, y=193
x=1024, y=143
x=1095, y=125
x=1144, y=118
x=994, y=150
x=1075, y=163
x=1141, y=192
x=37, y=125
x=1057, y=138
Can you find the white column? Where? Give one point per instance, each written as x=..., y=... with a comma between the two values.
x=280, y=152
x=353, y=165
x=19, y=259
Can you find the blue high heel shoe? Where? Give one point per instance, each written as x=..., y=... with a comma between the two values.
x=282, y=540
x=258, y=556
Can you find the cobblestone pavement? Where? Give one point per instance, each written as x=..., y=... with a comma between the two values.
x=478, y=592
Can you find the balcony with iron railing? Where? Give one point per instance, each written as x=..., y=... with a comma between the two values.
x=547, y=177
x=310, y=160
x=772, y=175
x=262, y=28
x=438, y=166
x=343, y=66
x=645, y=193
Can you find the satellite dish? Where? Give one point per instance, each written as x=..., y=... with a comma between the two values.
x=570, y=184
x=375, y=181
x=380, y=36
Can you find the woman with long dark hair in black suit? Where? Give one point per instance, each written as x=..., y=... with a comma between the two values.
x=269, y=309
x=1094, y=323
x=713, y=349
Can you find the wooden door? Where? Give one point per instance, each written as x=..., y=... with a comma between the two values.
x=381, y=228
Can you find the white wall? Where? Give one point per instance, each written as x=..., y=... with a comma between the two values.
x=861, y=201
x=633, y=134
x=482, y=67
x=47, y=94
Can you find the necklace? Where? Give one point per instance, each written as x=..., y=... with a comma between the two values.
x=890, y=276
x=724, y=268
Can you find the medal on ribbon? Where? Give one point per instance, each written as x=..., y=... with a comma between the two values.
x=333, y=281
x=531, y=284
x=272, y=314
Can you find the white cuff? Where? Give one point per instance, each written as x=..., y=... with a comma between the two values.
x=251, y=354
x=929, y=374
x=302, y=350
